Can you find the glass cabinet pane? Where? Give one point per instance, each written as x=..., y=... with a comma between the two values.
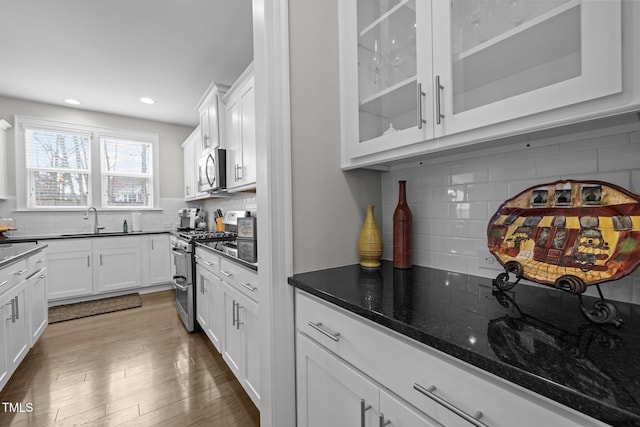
x=386, y=66
x=504, y=48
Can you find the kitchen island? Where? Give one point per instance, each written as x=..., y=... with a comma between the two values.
x=532, y=336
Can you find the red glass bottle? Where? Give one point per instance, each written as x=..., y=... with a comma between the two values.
x=402, y=230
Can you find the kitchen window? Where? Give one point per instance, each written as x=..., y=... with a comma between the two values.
x=64, y=166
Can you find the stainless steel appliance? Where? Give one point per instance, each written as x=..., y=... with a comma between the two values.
x=183, y=250
x=188, y=218
x=212, y=170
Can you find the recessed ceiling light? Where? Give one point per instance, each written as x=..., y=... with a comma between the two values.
x=71, y=101
x=146, y=100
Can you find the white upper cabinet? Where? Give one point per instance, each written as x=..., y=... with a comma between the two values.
x=210, y=121
x=240, y=135
x=420, y=76
x=499, y=60
x=191, y=152
x=385, y=74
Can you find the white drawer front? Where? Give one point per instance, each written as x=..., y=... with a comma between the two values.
x=403, y=365
x=13, y=274
x=243, y=279
x=208, y=260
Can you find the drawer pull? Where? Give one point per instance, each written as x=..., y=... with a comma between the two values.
x=4, y=283
x=21, y=272
x=248, y=286
x=429, y=392
x=363, y=408
x=318, y=327
x=208, y=263
x=226, y=273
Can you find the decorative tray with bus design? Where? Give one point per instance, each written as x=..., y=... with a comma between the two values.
x=567, y=234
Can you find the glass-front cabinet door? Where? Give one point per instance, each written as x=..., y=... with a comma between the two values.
x=385, y=63
x=496, y=60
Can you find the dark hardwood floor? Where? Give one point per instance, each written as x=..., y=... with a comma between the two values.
x=137, y=367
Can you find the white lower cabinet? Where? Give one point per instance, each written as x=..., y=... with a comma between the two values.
x=16, y=325
x=156, y=259
x=38, y=307
x=209, y=297
x=70, y=268
x=118, y=263
x=4, y=366
x=241, y=348
x=228, y=312
x=23, y=310
x=79, y=267
x=340, y=354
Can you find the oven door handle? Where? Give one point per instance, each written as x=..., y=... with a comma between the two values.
x=179, y=286
x=178, y=252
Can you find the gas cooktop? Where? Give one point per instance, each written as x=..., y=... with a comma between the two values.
x=206, y=236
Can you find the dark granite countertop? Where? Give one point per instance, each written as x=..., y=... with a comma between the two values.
x=14, y=252
x=532, y=336
x=213, y=247
x=37, y=237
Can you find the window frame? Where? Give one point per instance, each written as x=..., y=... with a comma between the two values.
x=96, y=134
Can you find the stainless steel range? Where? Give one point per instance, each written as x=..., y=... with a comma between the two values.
x=183, y=249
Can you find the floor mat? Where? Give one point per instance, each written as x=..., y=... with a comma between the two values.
x=62, y=313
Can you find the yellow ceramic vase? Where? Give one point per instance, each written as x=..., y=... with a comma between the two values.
x=370, y=242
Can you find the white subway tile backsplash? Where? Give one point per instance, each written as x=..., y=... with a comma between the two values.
x=472, y=210
x=619, y=157
x=567, y=163
x=486, y=191
x=452, y=201
x=505, y=168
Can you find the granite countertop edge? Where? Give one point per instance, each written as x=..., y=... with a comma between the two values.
x=238, y=261
x=25, y=254
x=554, y=391
x=64, y=236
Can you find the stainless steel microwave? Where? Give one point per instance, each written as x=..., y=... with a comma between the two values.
x=212, y=170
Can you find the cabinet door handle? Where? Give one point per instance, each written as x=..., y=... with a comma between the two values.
x=318, y=327
x=100, y=259
x=429, y=392
x=4, y=283
x=421, y=120
x=248, y=286
x=238, y=322
x=226, y=273
x=17, y=307
x=239, y=170
x=383, y=423
x=233, y=314
x=88, y=261
x=13, y=311
x=363, y=408
x=439, y=115
x=151, y=244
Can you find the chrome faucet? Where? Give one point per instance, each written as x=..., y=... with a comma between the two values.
x=96, y=227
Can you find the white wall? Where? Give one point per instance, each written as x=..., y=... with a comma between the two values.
x=452, y=201
x=171, y=170
x=171, y=136
x=329, y=205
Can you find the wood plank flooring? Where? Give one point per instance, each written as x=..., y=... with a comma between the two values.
x=137, y=367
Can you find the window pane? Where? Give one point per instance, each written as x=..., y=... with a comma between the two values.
x=126, y=191
x=59, y=189
x=48, y=149
x=126, y=157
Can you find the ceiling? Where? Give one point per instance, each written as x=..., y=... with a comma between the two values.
x=108, y=54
